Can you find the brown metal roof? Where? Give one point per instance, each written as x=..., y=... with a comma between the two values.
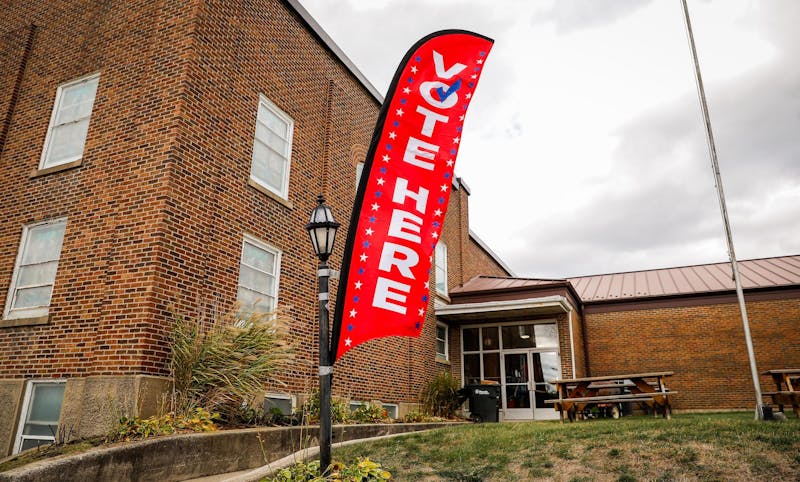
x=705, y=278
x=685, y=280
x=488, y=283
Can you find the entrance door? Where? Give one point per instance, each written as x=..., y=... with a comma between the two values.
x=525, y=386
x=517, y=386
x=546, y=366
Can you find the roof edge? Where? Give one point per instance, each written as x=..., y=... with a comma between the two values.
x=491, y=253
x=328, y=42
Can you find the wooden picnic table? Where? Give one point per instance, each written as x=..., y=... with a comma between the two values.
x=787, y=384
x=575, y=394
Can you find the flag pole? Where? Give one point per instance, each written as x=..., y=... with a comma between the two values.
x=759, y=414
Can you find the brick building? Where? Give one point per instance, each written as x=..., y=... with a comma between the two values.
x=162, y=157
x=685, y=320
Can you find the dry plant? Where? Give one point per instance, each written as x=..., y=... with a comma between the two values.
x=224, y=365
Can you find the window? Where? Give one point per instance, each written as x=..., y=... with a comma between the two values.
x=441, y=341
x=258, y=276
x=278, y=404
x=69, y=122
x=40, y=412
x=391, y=410
x=35, y=270
x=441, y=268
x=359, y=170
x=272, y=148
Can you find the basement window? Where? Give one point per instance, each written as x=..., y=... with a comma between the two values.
x=278, y=403
x=41, y=409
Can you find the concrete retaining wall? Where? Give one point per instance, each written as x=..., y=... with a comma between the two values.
x=181, y=457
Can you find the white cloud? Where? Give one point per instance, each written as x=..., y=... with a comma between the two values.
x=584, y=146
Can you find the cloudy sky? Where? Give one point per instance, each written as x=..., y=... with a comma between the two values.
x=584, y=147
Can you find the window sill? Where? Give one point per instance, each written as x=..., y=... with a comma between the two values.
x=54, y=169
x=442, y=360
x=33, y=321
x=443, y=297
x=269, y=193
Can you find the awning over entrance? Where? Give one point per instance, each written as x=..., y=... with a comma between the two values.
x=489, y=311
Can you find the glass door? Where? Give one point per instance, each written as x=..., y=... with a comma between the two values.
x=517, y=386
x=546, y=366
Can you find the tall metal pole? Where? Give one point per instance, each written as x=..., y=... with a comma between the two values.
x=759, y=415
x=325, y=370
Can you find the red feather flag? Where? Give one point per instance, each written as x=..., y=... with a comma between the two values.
x=404, y=189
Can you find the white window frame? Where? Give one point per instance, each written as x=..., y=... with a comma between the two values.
x=248, y=238
x=11, y=313
x=283, y=192
x=283, y=396
x=43, y=162
x=446, y=355
x=23, y=418
x=443, y=247
x=359, y=172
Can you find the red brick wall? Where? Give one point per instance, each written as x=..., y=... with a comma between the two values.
x=158, y=208
x=703, y=345
x=480, y=262
x=103, y=310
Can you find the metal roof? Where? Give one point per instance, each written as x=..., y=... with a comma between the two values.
x=699, y=279
x=687, y=280
x=488, y=283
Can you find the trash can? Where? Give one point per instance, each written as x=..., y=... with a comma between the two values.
x=484, y=402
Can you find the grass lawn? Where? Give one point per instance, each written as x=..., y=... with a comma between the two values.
x=724, y=446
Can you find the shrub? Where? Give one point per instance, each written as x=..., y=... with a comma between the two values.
x=340, y=411
x=369, y=413
x=440, y=396
x=131, y=428
x=361, y=470
x=223, y=366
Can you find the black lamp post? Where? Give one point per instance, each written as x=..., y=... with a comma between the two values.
x=322, y=231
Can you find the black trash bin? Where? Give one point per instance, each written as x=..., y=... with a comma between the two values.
x=484, y=402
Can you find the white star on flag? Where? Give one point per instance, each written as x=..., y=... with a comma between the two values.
x=358, y=285
x=461, y=117
x=443, y=187
x=353, y=313
x=369, y=231
x=400, y=112
x=348, y=342
x=386, y=158
x=479, y=61
x=406, y=90
x=380, y=181
x=449, y=163
x=421, y=312
x=413, y=69
x=456, y=140
x=438, y=212
x=375, y=206
x=468, y=96
x=427, y=285
x=363, y=257
x=474, y=76
x=434, y=235
x=392, y=135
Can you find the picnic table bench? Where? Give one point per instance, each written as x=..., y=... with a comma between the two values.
x=575, y=394
x=787, y=383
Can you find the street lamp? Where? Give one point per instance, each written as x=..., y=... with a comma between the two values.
x=322, y=231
